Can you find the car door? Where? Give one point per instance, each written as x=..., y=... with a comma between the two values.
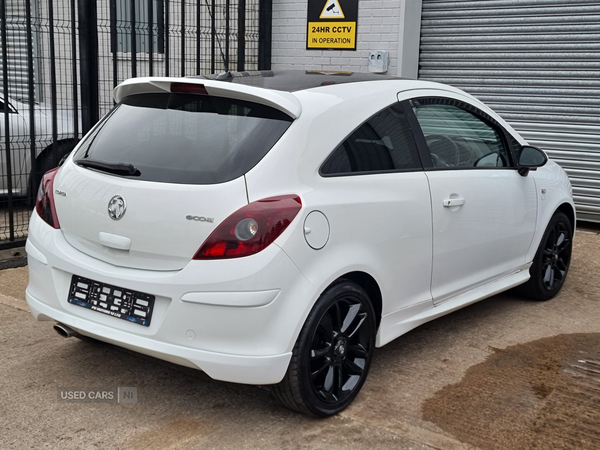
x=483, y=211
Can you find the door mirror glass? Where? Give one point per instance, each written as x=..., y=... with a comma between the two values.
x=532, y=157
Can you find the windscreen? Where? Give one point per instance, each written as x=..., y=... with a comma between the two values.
x=183, y=138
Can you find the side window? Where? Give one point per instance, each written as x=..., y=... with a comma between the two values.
x=459, y=138
x=383, y=143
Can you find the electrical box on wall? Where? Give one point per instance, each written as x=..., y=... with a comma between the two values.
x=378, y=61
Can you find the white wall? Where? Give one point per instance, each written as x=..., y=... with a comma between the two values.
x=382, y=25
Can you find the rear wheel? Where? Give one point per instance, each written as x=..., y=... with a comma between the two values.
x=331, y=358
x=551, y=262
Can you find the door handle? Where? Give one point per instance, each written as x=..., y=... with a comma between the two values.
x=453, y=202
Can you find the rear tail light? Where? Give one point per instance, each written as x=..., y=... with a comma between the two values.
x=251, y=228
x=44, y=203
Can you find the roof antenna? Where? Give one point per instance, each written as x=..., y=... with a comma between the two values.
x=225, y=61
x=225, y=76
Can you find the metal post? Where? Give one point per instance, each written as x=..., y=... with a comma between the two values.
x=53, y=94
x=31, y=95
x=167, y=46
x=213, y=35
x=197, y=37
x=160, y=25
x=88, y=50
x=150, y=37
x=226, y=35
x=7, y=147
x=183, y=38
x=113, y=40
x=241, y=43
x=265, y=21
x=74, y=71
x=133, y=35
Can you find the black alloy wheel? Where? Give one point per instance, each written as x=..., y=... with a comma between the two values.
x=333, y=353
x=556, y=256
x=551, y=262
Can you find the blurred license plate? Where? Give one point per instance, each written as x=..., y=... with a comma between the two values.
x=133, y=306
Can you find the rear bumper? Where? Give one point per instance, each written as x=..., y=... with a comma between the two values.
x=219, y=366
x=237, y=320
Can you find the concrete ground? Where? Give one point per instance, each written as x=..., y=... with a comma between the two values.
x=505, y=373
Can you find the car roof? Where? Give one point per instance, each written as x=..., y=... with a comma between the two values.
x=294, y=80
x=277, y=89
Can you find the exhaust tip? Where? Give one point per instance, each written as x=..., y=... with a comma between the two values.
x=64, y=330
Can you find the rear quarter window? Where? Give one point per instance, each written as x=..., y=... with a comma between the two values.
x=384, y=143
x=187, y=139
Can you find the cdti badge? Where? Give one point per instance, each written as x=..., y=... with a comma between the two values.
x=332, y=24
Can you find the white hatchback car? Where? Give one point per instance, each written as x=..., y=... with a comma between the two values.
x=274, y=228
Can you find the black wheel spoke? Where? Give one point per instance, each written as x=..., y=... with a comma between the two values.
x=320, y=370
x=352, y=367
x=549, y=276
x=350, y=316
x=327, y=327
x=358, y=350
x=340, y=380
x=561, y=239
x=337, y=313
x=351, y=383
x=564, y=246
x=361, y=321
x=329, y=380
x=319, y=353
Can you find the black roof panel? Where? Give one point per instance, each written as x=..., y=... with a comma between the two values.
x=294, y=80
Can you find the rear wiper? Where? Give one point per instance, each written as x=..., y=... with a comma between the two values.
x=116, y=168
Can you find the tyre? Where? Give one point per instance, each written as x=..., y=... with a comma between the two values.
x=551, y=261
x=332, y=355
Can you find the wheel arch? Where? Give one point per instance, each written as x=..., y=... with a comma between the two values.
x=568, y=210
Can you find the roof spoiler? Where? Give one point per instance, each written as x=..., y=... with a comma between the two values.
x=281, y=100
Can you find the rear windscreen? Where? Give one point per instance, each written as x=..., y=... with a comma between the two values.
x=183, y=138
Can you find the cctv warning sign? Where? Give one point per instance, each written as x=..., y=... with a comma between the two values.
x=332, y=24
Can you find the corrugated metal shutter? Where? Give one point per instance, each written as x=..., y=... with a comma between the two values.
x=536, y=63
x=16, y=33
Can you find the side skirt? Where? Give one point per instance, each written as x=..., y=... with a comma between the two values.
x=400, y=322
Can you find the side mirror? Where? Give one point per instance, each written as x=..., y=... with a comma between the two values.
x=530, y=158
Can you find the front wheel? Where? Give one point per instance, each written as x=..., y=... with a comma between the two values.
x=551, y=262
x=332, y=355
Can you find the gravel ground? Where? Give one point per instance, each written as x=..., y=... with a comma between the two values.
x=505, y=373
